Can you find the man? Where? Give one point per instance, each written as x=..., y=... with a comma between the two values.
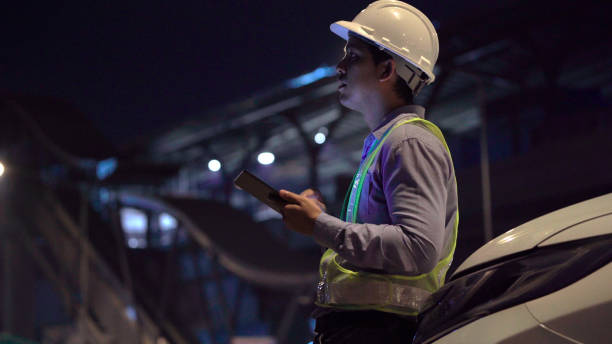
x=394, y=242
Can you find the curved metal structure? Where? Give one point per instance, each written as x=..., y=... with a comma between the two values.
x=243, y=246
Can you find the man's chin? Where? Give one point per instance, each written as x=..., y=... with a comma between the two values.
x=344, y=101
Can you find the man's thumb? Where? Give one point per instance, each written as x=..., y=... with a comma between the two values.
x=289, y=196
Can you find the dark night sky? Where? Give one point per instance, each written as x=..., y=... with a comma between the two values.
x=138, y=66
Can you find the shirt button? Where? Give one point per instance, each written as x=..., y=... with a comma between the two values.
x=340, y=247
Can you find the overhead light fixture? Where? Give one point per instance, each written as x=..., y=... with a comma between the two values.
x=265, y=158
x=321, y=136
x=1, y=169
x=214, y=165
x=309, y=78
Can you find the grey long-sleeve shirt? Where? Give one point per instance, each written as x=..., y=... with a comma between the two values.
x=407, y=206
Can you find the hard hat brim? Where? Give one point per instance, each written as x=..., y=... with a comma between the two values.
x=342, y=28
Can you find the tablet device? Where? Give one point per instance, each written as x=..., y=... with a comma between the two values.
x=260, y=190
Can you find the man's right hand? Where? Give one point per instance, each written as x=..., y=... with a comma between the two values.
x=316, y=196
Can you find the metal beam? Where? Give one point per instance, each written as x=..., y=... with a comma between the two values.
x=484, y=164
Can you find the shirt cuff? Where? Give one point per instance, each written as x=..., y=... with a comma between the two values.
x=326, y=230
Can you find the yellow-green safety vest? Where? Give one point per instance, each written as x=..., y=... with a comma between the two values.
x=343, y=288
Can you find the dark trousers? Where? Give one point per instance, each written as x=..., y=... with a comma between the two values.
x=358, y=327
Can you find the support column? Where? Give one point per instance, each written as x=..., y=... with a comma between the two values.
x=84, y=253
x=312, y=148
x=484, y=164
x=7, y=292
x=5, y=254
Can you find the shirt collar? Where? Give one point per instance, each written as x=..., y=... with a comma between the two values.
x=393, y=116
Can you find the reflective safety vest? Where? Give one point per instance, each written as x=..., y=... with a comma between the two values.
x=343, y=288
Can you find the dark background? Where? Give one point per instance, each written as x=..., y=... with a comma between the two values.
x=137, y=66
x=172, y=85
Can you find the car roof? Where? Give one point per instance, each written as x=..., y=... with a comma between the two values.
x=538, y=230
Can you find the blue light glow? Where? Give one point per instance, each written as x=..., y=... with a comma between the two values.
x=133, y=220
x=311, y=77
x=130, y=313
x=106, y=167
x=167, y=222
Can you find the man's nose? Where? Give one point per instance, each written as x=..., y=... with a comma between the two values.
x=341, y=68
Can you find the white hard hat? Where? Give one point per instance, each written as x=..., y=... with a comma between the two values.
x=403, y=31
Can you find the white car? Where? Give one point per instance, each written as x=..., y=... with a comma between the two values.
x=546, y=281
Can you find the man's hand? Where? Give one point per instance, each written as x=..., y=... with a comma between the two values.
x=302, y=213
x=316, y=196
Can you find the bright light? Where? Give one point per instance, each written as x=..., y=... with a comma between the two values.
x=319, y=138
x=265, y=158
x=133, y=220
x=167, y=222
x=134, y=223
x=1, y=169
x=106, y=167
x=214, y=165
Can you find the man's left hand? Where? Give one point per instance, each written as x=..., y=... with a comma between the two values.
x=301, y=214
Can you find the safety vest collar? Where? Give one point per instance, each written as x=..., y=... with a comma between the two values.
x=400, y=113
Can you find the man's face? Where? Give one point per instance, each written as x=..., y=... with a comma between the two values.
x=357, y=74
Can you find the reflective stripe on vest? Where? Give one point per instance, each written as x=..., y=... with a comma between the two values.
x=341, y=287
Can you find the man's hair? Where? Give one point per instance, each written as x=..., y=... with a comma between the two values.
x=400, y=87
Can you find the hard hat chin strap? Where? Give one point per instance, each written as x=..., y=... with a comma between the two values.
x=416, y=82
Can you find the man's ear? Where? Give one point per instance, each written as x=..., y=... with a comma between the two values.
x=386, y=70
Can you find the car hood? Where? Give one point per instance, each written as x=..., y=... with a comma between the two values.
x=543, y=228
